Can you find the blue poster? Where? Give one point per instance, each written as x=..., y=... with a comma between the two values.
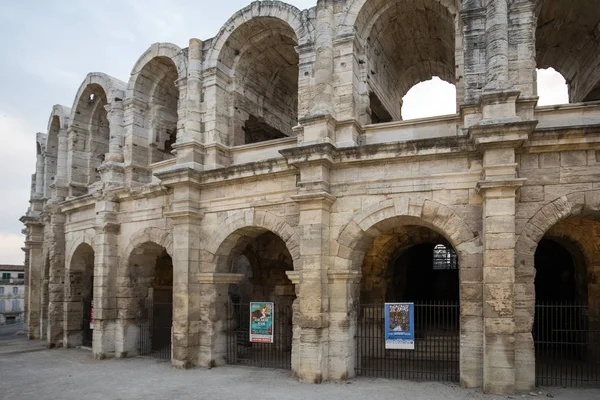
x=261, y=322
x=400, y=326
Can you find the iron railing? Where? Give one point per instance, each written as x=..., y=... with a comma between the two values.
x=567, y=345
x=155, y=331
x=270, y=355
x=88, y=332
x=437, y=338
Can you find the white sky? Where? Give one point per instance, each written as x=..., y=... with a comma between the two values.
x=48, y=47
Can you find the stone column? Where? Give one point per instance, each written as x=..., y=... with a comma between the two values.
x=214, y=312
x=112, y=169
x=497, y=135
x=60, y=188
x=106, y=264
x=312, y=322
x=190, y=130
x=56, y=275
x=311, y=363
x=319, y=126
x=344, y=292
x=34, y=245
x=186, y=288
x=496, y=43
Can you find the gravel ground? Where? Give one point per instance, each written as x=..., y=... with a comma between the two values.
x=74, y=374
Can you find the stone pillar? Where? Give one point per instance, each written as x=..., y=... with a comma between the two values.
x=112, y=169
x=106, y=264
x=34, y=245
x=497, y=135
x=56, y=274
x=60, y=187
x=496, y=43
x=319, y=126
x=186, y=263
x=311, y=364
x=190, y=130
x=344, y=292
x=213, y=319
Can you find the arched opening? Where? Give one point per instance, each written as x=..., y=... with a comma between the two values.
x=552, y=88
x=261, y=56
x=410, y=264
x=78, y=328
x=567, y=40
x=404, y=44
x=418, y=102
x=88, y=139
x=566, y=321
x=156, y=87
x=51, y=159
x=256, y=337
x=151, y=294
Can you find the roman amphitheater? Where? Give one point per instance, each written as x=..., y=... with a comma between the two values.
x=271, y=163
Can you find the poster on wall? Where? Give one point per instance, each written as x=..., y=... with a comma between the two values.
x=261, y=322
x=400, y=326
x=92, y=315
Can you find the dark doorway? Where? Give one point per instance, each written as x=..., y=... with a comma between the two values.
x=566, y=348
x=427, y=275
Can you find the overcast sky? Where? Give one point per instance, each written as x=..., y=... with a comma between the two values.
x=48, y=47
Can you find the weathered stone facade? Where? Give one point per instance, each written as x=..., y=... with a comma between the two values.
x=277, y=147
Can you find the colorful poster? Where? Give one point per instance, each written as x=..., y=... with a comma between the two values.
x=92, y=315
x=261, y=322
x=400, y=326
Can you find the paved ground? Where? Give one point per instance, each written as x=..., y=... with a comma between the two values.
x=9, y=331
x=74, y=374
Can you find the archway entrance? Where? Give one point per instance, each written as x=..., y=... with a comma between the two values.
x=151, y=274
x=78, y=298
x=565, y=330
x=410, y=264
x=260, y=313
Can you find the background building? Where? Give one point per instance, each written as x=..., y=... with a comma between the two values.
x=12, y=293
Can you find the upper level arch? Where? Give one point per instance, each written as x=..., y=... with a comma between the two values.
x=154, y=90
x=400, y=44
x=89, y=131
x=256, y=51
x=285, y=13
x=56, y=147
x=567, y=38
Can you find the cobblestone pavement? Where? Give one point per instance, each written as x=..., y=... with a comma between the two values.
x=74, y=374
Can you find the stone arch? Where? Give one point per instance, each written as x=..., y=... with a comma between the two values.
x=111, y=86
x=356, y=237
x=251, y=223
x=166, y=50
x=577, y=204
x=565, y=40
x=287, y=13
x=89, y=130
x=56, y=150
x=158, y=236
x=154, y=87
x=87, y=237
x=355, y=6
x=429, y=50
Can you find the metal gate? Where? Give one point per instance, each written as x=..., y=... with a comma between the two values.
x=88, y=331
x=268, y=355
x=436, y=353
x=155, y=329
x=567, y=348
